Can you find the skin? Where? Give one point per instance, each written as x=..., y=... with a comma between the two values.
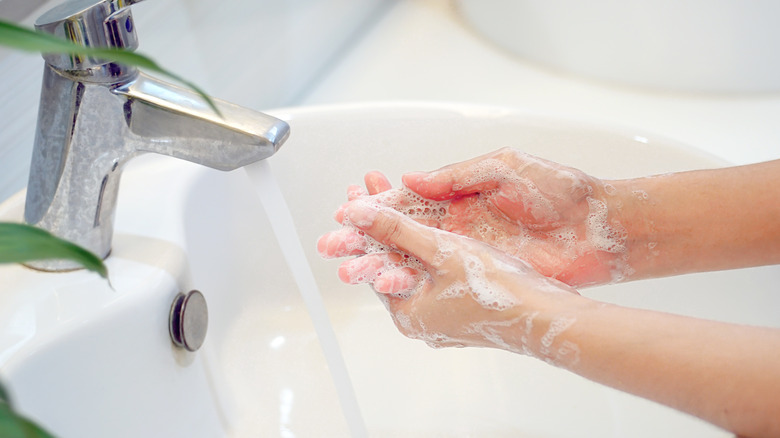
x=674, y=223
x=524, y=229
x=724, y=373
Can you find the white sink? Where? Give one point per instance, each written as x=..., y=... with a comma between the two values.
x=88, y=361
x=679, y=45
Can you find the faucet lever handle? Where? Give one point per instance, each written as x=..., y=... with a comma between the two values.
x=120, y=30
x=90, y=23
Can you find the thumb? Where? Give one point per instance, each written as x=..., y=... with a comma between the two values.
x=393, y=229
x=459, y=179
x=435, y=185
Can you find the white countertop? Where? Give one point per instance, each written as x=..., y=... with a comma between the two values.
x=423, y=50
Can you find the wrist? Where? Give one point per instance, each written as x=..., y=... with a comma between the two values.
x=631, y=202
x=540, y=327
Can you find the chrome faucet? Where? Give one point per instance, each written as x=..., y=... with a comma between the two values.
x=94, y=116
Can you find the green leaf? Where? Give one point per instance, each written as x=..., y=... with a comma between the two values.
x=13, y=425
x=21, y=243
x=20, y=38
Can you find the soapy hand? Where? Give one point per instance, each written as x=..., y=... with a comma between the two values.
x=560, y=220
x=524, y=215
x=466, y=293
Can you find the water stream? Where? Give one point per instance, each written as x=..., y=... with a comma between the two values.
x=284, y=228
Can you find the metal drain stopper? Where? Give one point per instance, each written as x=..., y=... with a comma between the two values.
x=189, y=320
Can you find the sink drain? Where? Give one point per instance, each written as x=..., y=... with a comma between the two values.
x=189, y=320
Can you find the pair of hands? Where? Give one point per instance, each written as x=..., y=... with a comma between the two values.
x=487, y=253
x=478, y=244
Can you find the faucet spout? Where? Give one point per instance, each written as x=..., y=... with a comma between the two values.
x=166, y=119
x=96, y=115
x=87, y=131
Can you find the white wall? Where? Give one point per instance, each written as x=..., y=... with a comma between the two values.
x=257, y=53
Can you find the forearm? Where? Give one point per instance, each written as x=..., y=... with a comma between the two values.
x=725, y=374
x=702, y=220
x=475, y=295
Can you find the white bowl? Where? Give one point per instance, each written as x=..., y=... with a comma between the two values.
x=686, y=45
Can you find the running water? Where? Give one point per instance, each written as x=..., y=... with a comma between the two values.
x=284, y=228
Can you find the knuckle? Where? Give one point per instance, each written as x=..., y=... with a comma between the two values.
x=393, y=230
x=506, y=153
x=513, y=158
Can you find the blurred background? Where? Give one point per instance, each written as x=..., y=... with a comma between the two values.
x=706, y=73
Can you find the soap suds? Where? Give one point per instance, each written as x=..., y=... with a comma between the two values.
x=476, y=216
x=488, y=294
x=492, y=332
x=604, y=236
x=557, y=326
x=455, y=289
x=640, y=195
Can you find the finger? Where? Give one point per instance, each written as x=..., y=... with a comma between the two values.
x=392, y=228
x=367, y=268
x=338, y=216
x=341, y=243
x=355, y=191
x=476, y=175
x=376, y=182
x=439, y=185
x=391, y=198
x=397, y=281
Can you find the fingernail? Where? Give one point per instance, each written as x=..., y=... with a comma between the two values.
x=322, y=246
x=361, y=214
x=372, y=178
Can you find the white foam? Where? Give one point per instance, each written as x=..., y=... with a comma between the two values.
x=438, y=340
x=640, y=194
x=602, y=235
x=456, y=289
x=444, y=251
x=567, y=354
x=403, y=320
x=493, y=331
x=488, y=294
x=556, y=328
x=528, y=326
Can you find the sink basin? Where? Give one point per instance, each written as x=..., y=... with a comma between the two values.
x=688, y=45
x=86, y=360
